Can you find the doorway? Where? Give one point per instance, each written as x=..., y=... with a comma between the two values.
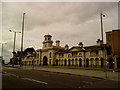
x=110, y=63
x=45, y=59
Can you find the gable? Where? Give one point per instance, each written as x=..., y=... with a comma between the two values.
x=75, y=49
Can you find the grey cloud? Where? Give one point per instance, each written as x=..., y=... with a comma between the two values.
x=42, y=14
x=68, y=22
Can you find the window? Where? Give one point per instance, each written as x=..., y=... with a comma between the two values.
x=109, y=37
x=48, y=38
x=91, y=53
x=50, y=54
x=96, y=52
x=109, y=50
x=68, y=55
x=37, y=61
x=80, y=54
x=75, y=54
x=50, y=61
x=45, y=38
x=96, y=62
x=37, y=55
x=72, y=54
x=76, y=60
x=92, y=62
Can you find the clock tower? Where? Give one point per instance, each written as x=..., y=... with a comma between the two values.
x=47, y=41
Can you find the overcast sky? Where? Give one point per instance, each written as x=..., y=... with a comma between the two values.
x=69, y=22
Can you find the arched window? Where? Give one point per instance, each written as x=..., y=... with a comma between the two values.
x=72, y=54
x=72, y=62
x=76, y=62
x=65, y=62
x=68, y=62
x=50, y=54
x=102, y=62
x=110, y=63
x=87, y=62
x=80, y=62
x=68, y=55
x=96, y=52
x=48, y=38
x=50, y=61
x=37, y=61
x=57, y=62
x=45, y=38
x=80, y=55
x=96, y=62
x=62, y=62
x=92, y=62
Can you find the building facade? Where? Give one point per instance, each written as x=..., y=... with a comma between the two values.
x=89, y=56
x=113, y=48
x=95, y=56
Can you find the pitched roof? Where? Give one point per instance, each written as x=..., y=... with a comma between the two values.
x=92, y=48
x=30, y=50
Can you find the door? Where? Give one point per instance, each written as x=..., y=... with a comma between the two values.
x=45, y=60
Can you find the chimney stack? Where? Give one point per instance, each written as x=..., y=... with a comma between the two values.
x=99, y=42
x=80, y=44
x=57, y=43
x=66, y=47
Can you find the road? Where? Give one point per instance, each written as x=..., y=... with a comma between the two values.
x=23, y=78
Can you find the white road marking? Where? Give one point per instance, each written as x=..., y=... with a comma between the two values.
x=9, y=74
x=34, y=80
x=85, y=82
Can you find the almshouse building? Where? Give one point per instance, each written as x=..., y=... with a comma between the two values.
x=89, y=56
x=95, y=56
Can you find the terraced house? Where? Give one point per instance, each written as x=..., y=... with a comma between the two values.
x=95, y=56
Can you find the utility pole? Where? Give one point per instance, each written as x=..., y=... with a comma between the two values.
x=2, y=49
x=104, y=51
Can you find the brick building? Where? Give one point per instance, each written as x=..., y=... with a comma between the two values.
x=113, y=48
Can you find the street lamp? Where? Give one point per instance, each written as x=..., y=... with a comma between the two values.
x=102, y=15
x=104, y=51
x=22, y=32
x=2, y=49
x=22, y=39
x=15, y=32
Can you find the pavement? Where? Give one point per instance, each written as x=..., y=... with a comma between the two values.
x=95, y=73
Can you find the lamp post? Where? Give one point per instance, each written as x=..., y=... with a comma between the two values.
x=104, y=51
x=22, y=32
x=15, y=32
x=2, y=49
x=22, y=39
x=102, y=15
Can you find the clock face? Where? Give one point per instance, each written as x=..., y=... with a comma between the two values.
x=109, y=37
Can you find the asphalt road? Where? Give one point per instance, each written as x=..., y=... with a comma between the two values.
x=22, y=78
